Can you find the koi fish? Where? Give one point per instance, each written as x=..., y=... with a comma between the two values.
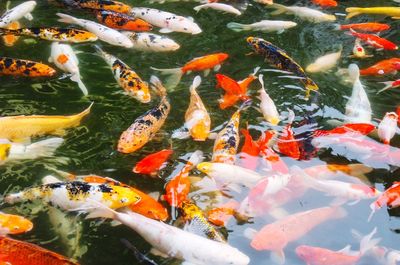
x=122, y=21
x=168, y=22
x=366, y=27
x=325, y=3
x=21, y=253
x=220, y=216
x=64, y=57
x=390, y=11
x=358, y=108
x=264, y=25
x=269, y=154
x=53, y=34
x=104, y=33
x=204, y=63
x=10, y=151
x=178, y=188
x=10, y=40
x=277, y=235
x=152, y=163
x=267, y=105
x=147, y=125
x=330, y=171
x=249, y=152
x=71, y=195
x=128, y=79
x=227, y=141
x=305, y=13
x=19, y=67
x=357, y=128
x=384, y=67
x=149, y=42
x=389, y=85
x=374, y=40
x=358, y=50
x=197, y=223
x=219, y=6
x=387, y=127
x=287, y=143
x=389, y=198
x=324, y=63
x=13, y=224
x=18, y=12
x=104, y=5
x=20, y=127
x=279, y=58
x=173, y=241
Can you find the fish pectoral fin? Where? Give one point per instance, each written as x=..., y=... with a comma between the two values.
x=217, y=68
x=29, y=16
x=181, y=133
x=157, y=252
x=115, y=223
x=165, y=30
x=278, y=256
x=280, y=31
x=206, y=72
x=212, y=136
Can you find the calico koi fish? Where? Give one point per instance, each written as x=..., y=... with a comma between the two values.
x=128, y=79
x=64, y=57
x=356, y=128
x=287, y=143
x=122, y=21
x=10, y=40
x=387, y=127
x=227, y=141
x=18, y=12
x=374, y=40
x=204, y=63
x=198, y=223
x=152, y=163
x=71, y=195
x=147, y=125
x=325, y=3
x=384, y=67
x=390, y=85
x=390, y=11
x=21, y=253
x=305, y=13
x=21, y=127
x=19, y=67
x=13, y=224
x=324, y=63
x=267, y=105
x=104, y=5
x=278, y=26
x=53, y=34
x=104, y=33
x=279, y=58
x=366, y=27
x=149, y=42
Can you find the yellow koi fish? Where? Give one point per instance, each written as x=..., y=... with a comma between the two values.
x=390, y=11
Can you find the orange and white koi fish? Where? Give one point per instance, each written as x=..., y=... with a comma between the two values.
x=227, y=141
x=19, y=67
x=220, y=216
x=18, y=12
x=22, y=253
x=374, y=40
x=147, y=125
x=104, y=33
x=178, y=188
x=277, y=235
x=356, y=128
x=204, y=63
x=387, y=127
x=389, y=198
x=152, y=163
x=389, y=85
x=21, y=127
x=287, y=144
x=128, y=79
x=10, y=40
x=13, y=224
x=110, y=5
x=366, y=27
x=358, y=50
x=267, y=105
x=384, y=67
x=64, y=57
x=305, y=13
x=324, y=63
x=325, y=3
x=122, y=21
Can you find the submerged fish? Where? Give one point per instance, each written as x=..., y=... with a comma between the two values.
x=287, y=144
x=267, y=105
x=356, y=128
x=151, y=164
x=263, y=25
x=122, y=21
x=391, y=11
x=128, y=79
x=366, y=27
x=387, y=127
x=149, y=42
x=13, y=224
x=219, y=6
x=389, y=198
x=306, y=13
x=324, y=63
x=19, y=67
x=18, y=12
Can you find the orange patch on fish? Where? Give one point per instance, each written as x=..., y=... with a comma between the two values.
x=62, y=59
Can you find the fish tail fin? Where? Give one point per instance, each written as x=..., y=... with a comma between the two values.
x=76, y=119
x=237, y=26
x=158, y=85
x=77, y=78
x=368, y=242
x=196, y=83
x=278, y=256
x=198, y=8
x=336, y=27
x=64, y=18
x=310, y=86
x=175, y=75
x=387, y=84
x=352, y=12
x=280, y=9
x=44, y=148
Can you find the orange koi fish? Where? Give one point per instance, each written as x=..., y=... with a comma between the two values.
x=19, y=67
x=152, y=163
x=325, y=3
x=178, y=188
x=14, y=224
x=358, y=128
x=10, y=40
x=287, y=144
x=250, y=151
x=104, y=5
x=122, y=21
x=366, y=27
x=389, y=198
x=22, y=253
x=384, y=67
x=204, y=63
x=389, y=85
x=374, y=40
x=220, y=216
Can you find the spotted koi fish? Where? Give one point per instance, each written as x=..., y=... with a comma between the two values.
x=122, y=21
x=103, y=5
x=19, y=67
x=75, y=194
x=127, y=78
x=53, y=34
x=145, y=126
x=279, y=58
x=197, y=222
x=227, y=142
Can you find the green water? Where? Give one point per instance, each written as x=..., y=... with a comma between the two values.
x=91, y=148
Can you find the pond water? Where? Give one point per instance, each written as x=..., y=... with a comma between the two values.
x=91, y=147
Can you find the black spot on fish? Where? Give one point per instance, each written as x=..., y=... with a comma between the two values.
x=8, y=62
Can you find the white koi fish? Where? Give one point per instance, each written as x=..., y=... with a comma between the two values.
x=64, y=57
x=387, y=127
x=263, y=25
x=305, y=13
x=18, y=12
x=219, y=6
x=168, y=22
x=150, y=42
x=324, y=63
x=267, y=105
x=104, y=33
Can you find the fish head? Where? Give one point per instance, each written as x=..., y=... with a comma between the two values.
x=120, y=196
x=40, y=69
x=200, y=131
x=205, y=167
x=138, y=25
x=222, y=56
x=84, y=36
x=305, y=253
x=130, y=142
x=15, y=224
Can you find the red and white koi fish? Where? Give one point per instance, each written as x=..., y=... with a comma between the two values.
x=287, y=144
x=374, y=40
x=387, y=127
x=18, y=12
x=389, y=198
x=358, y=50
x=349, y=128
x=389, y=85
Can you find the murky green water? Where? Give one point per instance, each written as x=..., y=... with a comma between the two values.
x=91, y=148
